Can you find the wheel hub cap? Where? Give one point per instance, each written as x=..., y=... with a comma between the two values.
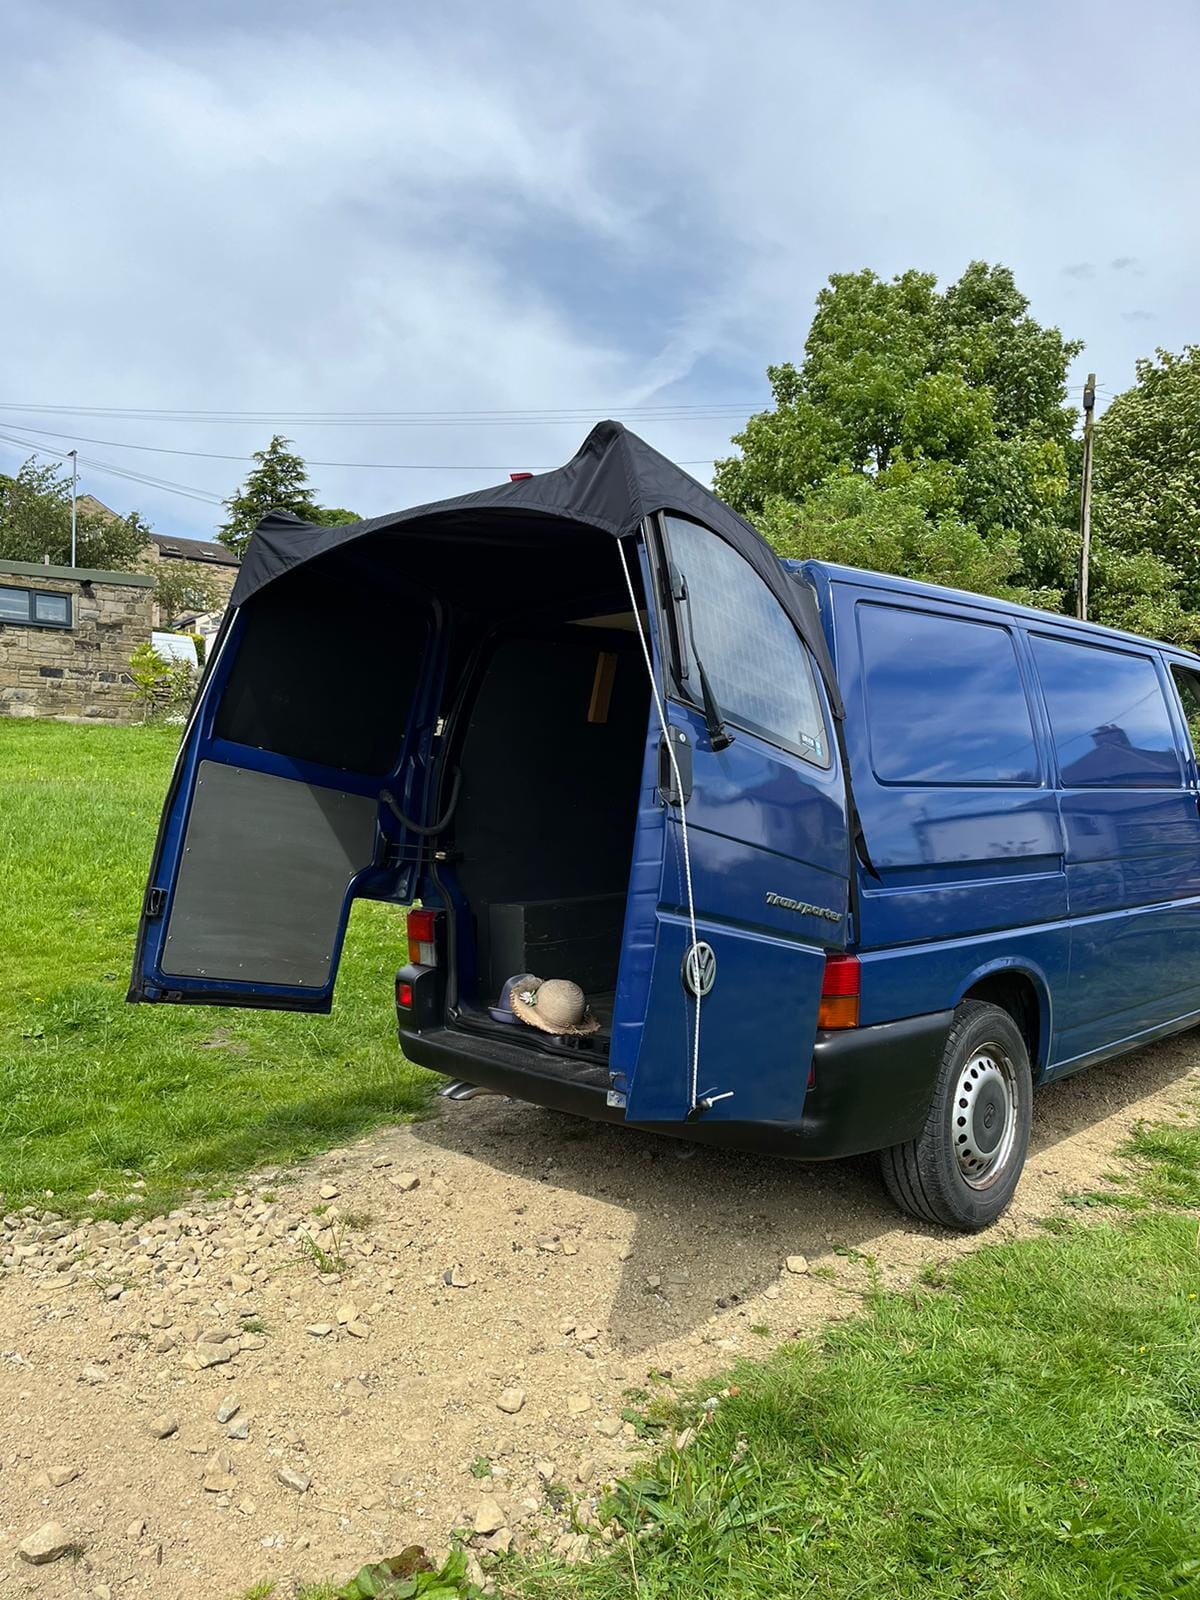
x=985, y=1115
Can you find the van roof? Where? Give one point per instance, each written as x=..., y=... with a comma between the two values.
x=832, y=572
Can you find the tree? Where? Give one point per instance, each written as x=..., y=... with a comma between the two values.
x=957, y=398
x=279, y=482
x=926, y=433
x=181, y=586
x=1146, y=493
x=35, y=522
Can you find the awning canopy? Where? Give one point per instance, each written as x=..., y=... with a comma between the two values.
x=611, y=484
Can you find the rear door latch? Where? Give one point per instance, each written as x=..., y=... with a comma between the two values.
x=682, y=747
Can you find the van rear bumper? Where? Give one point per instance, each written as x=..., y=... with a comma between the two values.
x=872, y=1087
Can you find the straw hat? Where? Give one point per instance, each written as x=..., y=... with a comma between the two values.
x=555, y=1005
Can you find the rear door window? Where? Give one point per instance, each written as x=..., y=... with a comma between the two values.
x=945, y=699
x=759, y=669
x=1108, y=716
x=1188, y=685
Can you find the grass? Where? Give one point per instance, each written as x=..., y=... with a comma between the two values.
x=96, y=1094
x=1026, y=1424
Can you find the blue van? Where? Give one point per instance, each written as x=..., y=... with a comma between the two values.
x=809, y=860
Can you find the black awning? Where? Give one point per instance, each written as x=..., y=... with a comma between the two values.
x=612, y=483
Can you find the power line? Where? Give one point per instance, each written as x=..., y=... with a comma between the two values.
x=565, y=417
x=110, y=469
x=374, y=466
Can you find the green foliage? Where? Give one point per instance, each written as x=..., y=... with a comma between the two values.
x=279, y=482
x=35, y=522
x=1147, y=469
x=412, y=1576
x=161, y=687
x=181, y=586
x=926, y=434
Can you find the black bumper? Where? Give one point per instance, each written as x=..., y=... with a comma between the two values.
x=872, y=1087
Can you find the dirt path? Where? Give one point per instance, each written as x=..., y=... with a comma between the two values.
x=580, y=1258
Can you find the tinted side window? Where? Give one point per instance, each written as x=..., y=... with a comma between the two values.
x=759, y=670
x=1188, y=684
x=1108, y=715
x=945, y=701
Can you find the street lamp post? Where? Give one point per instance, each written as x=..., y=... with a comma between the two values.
x=74, y=455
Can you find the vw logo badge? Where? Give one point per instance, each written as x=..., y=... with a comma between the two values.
x=699, y=971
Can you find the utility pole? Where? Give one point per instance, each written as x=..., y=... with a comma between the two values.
x=1085, y=498
x=74, y=455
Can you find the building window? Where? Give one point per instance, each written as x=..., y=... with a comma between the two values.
x=37, y=608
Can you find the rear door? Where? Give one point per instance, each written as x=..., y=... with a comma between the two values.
x=278, y=814
x=767, y=850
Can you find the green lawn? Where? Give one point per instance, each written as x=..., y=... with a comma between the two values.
x=1025, y=1426
x=92, y=1089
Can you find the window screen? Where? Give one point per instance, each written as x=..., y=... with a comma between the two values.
x=1109, y=718
x=945, y=701
x=758, y=668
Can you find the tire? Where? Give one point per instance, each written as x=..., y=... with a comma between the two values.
x=959, y=1171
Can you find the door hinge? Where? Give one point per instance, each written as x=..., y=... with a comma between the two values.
x=156, y=900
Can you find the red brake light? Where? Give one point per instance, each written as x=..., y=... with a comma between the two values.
x=422, y=938
x=840, y=990
x=519, y=477
x=404, y=994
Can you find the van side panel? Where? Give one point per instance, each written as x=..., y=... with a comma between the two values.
x=1132, y=837
x=954, y=785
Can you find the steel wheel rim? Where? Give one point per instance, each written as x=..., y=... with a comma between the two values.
x=984, y=1116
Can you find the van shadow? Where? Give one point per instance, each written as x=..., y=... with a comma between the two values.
x=713, y=1227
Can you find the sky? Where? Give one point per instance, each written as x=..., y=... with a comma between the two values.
x=359, y=207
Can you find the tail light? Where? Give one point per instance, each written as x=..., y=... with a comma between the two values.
x=422, y=938
x=404, y=994
x=840, y=991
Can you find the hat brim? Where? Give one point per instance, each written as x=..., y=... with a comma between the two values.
x=529, y=1014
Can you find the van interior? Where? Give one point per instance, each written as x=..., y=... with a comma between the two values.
x=545, y=711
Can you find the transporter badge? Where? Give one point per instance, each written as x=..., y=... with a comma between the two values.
x=804, y=908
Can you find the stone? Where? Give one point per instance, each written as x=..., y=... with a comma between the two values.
x=319, y=1330
x=291, y=1479
x=457, y=1278
x=358, y=1330
x=252, y=1341
x=610, y=1427
x=548, y=1242
x=162, y=1427
x=114, y=1291
x=510, y=1400
x=587, y=1335
x=239, y=1430
x=347, y=1312
x=217, y=1482
x=797, y=1265
x=136, y=1528
x=213, y=1355
x=577, y=1404
x=545, y=1470
x=228, y=1409
x=329, y=1191
x=406, y=1182
x=48, y=1543
x=500, y=1542
x=489, y=1518
x=93, y=1374
x=381, y=1161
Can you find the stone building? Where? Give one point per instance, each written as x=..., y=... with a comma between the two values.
x=215, y=560
x=66, y=636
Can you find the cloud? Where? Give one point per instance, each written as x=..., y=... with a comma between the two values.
x=1128, y=264
x=1137, y=316
x=287, y=207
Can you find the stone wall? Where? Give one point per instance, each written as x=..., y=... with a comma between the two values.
x=81, y=671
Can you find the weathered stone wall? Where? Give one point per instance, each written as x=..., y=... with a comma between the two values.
x=81, y=671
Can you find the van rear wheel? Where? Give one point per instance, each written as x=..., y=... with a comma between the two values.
x=963, y=1167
